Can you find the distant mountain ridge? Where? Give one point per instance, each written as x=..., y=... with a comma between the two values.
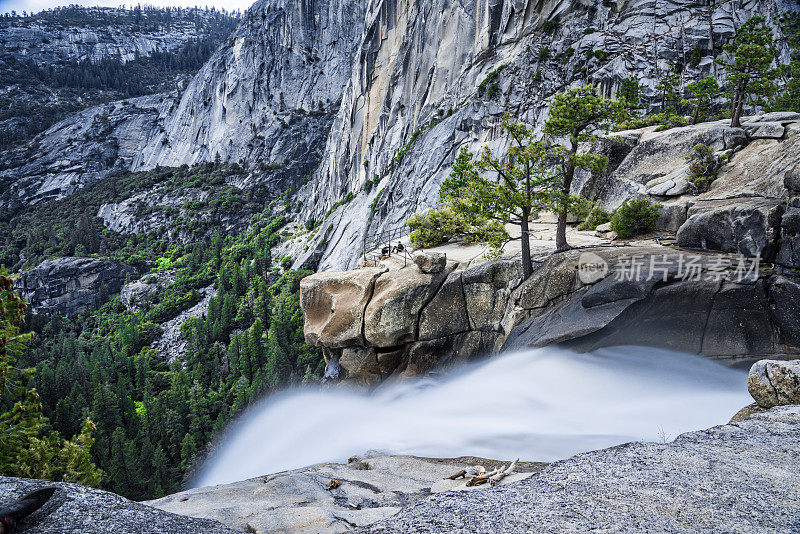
x=59, y=61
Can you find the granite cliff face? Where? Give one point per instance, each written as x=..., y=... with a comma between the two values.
x=57, y=62
x=81, y=149
x=430, y=78
x=384, y=91
x=268, y=94
x=98, y=33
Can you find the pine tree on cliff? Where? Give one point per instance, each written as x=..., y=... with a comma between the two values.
x=578, y=116
x=749, y=66
x=489, y=192
x=701, y=94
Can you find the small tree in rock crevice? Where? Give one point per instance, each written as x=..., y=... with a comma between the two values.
x=703, y=167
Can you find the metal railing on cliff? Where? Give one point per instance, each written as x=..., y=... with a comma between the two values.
x=384, y=240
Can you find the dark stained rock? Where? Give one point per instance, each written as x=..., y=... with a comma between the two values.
x=446, y=313
x=792, y=179
x=69, y=285
x=74, y=508
x=789, y=252
x=784, y=293
x=426, y=356
x=790, y=222
x=720, y=311
x=487, y=289
x=746, y=227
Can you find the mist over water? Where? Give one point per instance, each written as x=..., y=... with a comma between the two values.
x=538, y=405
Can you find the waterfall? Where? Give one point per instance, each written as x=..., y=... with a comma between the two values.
x=539, y=405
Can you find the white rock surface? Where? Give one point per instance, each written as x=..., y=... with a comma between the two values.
x=371, y=488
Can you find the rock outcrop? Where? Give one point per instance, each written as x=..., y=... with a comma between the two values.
x=69, y=285
x=171, y=344
x=371, y=91
x=734, y=478
x=370, y=488
x=408, y=323
x=709, y=304
x=81, y=150
x=373, y=323
x=136, y=296
x=775, y=383
x=99, y=33
x=74, y=508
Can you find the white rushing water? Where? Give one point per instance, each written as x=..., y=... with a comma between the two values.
x=538, y=405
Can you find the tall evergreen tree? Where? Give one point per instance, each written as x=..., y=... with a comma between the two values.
x=750, y=74
x=577, y=116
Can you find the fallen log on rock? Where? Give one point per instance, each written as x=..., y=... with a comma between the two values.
x=503, y=474
x=482, y=479
x=470, y=471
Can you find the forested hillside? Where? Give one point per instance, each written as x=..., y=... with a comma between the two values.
x=154, y=418
x=57, y=62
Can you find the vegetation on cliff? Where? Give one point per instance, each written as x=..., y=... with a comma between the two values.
x=154, y=419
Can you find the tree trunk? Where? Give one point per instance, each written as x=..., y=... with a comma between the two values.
x=696, y=112
x=561, y=229
x=527, y=264
x=738, y=104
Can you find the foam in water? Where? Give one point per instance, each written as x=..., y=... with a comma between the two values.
x=538, y=405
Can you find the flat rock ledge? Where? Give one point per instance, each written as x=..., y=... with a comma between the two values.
x=331, y=497
x=74, y=508
x=740, y=477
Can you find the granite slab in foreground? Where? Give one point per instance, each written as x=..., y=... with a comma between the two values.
x=78, y=509
x=741, y=477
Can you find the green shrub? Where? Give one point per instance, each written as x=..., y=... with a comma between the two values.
x=550, y=26
x=434, y=228
x=703, y=167
x=634, y=217
x=374, y=204
x=368, y=185
x=490, y=84
x=580, y=208
x=664, y=121
x=696, y=56
x=595, y=218
x=601, y=54
x=544, y=52
x=311, y=224
x=564, y=56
